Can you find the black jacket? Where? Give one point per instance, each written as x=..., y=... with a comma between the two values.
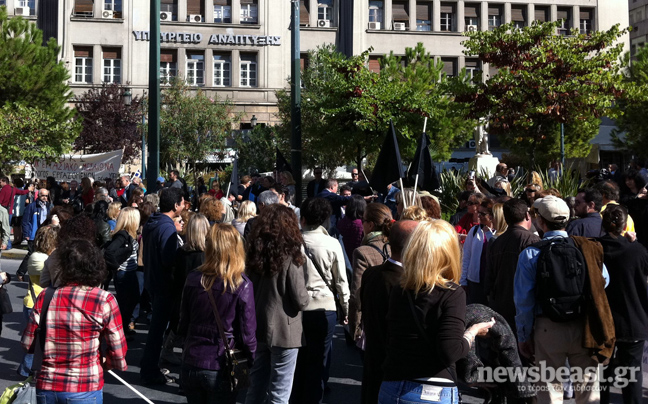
x=627, y=293
x=310, y=188
x=501, y=262
x=118, y=250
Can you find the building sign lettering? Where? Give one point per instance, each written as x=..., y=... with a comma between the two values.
x=214, y=39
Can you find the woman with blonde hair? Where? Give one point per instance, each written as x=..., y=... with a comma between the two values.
x=217, y=289
x=121, y=258
x=499, y=223
x=246, y=211
x=408, y=195
x=113, y=212
x=426, y=319
x=415, y=213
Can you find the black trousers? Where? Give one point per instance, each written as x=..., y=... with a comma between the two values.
x=627, y=359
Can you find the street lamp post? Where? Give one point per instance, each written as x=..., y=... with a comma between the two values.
x=295, y=104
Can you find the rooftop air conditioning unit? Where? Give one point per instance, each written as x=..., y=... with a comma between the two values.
x=195, y=18
x=324, y=23
x=399, y=26
x=108, y=14
x=374, y=25
x=471, y=28
x=24, y=11
x=165, y=16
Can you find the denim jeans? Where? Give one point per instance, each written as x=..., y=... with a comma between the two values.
x=140, y=281
x=25, y=366
x=407, y=392
x=314, y=358
x=127, y=290
x=60, y=397
x=204, y=386
x=271, y=376
x=162, y=307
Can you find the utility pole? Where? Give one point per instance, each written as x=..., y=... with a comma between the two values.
x=295, y=104
x=154, y=98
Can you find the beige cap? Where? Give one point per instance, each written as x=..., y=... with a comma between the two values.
x=552, y=209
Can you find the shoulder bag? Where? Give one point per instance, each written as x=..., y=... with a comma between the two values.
x=236, y=362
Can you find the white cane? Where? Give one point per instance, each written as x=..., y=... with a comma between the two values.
x=130, y=387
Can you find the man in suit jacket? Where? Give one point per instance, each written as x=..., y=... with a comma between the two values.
x=377, y=283
x=502, y=258
x=317, y=185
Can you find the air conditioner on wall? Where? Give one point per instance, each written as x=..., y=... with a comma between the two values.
x=24, y=11
x=374, y=25
x=324, y=23
x=399, y=26
x=107, y=14
x=166, y=16
x=195, y=18
x=471, y=28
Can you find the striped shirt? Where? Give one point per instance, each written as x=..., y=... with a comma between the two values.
x=76, y=319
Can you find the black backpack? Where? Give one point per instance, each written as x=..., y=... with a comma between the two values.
x=561, y=279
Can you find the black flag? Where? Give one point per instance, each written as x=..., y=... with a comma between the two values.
x=389, y=167
x=234, y=181
x=423, y=166
x=281, y=164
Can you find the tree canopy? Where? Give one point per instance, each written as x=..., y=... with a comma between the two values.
x=545, y=80
x=192, y=125
x=346, y=107
x=30, y=73
x=108, y=124
x=632, y=125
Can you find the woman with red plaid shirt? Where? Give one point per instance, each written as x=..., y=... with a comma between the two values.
x=79, y=314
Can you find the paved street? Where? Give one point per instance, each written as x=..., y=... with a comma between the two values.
x=346, y=372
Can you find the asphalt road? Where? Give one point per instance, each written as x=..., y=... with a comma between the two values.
x=344, y=382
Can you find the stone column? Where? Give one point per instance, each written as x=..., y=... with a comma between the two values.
x=388, y=15
x=412, y=15
x=209, y=11
x=182, y=10
x=236, y=68
x=436, y=16
x=461, y=19
x=483, y=16
x=97, y=63
x=312, y=5
x=507, y=13
x=209, y=67
x=236, y=12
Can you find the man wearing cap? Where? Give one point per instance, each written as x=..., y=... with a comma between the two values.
x=553, y=342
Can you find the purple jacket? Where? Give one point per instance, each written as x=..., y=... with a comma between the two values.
x=203, y=346
x=352, y=234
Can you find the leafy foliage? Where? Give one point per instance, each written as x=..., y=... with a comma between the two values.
x=192, y=125
x=256, y=149
x=108, y=124
x=632, y=126
x=346, y=108
x=452, y=184
x=544, y=80
x=30, y=73
x=567, y=183
x=31, y=134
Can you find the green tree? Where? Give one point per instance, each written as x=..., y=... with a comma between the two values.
x=544, y=80
x=32, y=134
x=346, y=108
x=632, y=126
x=256, y=149
x=108, y=124
x=30, y=73
x=192, y=125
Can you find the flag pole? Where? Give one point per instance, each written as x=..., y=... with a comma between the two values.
x=403, y=191
x=416, y=180
x=130, y=387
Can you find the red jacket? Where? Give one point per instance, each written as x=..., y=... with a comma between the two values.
x=6, y=198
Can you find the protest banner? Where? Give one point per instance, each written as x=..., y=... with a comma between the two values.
x=74, y=167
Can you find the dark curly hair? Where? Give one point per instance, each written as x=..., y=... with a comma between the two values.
x=84, y=263
x=431, y=207
x=380, y=215
x=275, y=238
x=615, y=218
x=78, y=227
x=100, y=211
x=356, y=207
x=315, y=211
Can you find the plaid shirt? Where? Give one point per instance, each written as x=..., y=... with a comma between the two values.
x=76, y=319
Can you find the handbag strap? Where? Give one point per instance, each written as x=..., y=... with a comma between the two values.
x=219, y=323
x=31, y=289
x=382, y=252
x=319, y=270
x=422, y=331
x=39, y=349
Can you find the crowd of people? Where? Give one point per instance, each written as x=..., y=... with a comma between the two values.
x=504, y=281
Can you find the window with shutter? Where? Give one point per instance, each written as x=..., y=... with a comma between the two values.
x=250, y=12
x=376, y=9
x=473, y=69
x=471, y=17
x=541, y=14
x=83, y=64
x=111, y=65
x=195, y=7
x=168, y=65
x=83, y=8
x=585, y=23
x=423, y=16
x=447, y=17
x=450, y=66
x=400, y=11
x=304, y=16
x=248, y=73
x=195, y=69
x=494, y=17
x=222, y=69
x=518, y=16
x=170, y=6
x=223, y=11
x=564, y=16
